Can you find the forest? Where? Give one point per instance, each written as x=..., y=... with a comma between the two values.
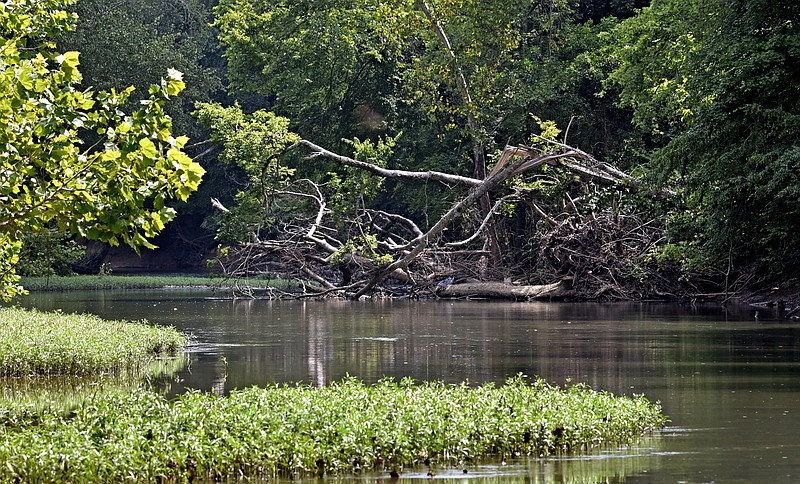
x=599, y=149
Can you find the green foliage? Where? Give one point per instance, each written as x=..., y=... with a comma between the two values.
x=719, y=78
x=365, y=246
x=113, y=190
x=299, y=431
x=49, y=253
x=251, y=141
x=351, y=188
x=35, y=343
x=254, y=143
x=9, y=258
x=652, y=53
x=548, y=129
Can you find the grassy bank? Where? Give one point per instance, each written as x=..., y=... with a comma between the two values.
x=38, y=343
x=299, y=430
x=143, y=281
x=78, y=282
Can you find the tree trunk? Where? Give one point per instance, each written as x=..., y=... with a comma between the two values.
x=476, y=132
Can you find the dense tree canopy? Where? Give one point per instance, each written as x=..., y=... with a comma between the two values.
x=718, y=81
x=72, y=158
x=695, y=95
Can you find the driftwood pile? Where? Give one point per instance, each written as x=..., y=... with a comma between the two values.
x=565, y=251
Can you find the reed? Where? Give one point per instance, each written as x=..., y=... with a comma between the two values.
x=296, y=430
x=52, y=343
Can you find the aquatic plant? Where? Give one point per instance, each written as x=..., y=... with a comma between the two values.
x=83, y=282
x=139, y=281
x=296, y=430
x=52, y=343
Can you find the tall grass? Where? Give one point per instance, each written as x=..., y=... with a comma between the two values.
x=346, y=427
x=42, y=343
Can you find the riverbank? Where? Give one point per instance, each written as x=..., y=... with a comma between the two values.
x=778, y=301
x=347, y=427
x=768, y=297
x=136, y=281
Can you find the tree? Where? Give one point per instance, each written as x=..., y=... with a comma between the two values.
x=72, y=158
x=718, y=79
x=433, y=90
x=444, y=73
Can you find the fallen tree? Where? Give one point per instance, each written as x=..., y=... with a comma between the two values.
x=389, y=254
x=502, y=290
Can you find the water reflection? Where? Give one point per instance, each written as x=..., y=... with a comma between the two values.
x=730, y=383
x=67, y=392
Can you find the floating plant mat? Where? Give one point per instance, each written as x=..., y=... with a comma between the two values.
x=287, y=430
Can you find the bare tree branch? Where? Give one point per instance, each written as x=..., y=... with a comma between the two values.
x=387, y=173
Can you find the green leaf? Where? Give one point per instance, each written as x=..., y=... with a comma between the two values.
x=148, y=148
x=69, y=64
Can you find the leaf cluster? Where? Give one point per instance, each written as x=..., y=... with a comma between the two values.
x=72, y=158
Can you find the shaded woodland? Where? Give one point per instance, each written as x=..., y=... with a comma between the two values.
x=569, y=148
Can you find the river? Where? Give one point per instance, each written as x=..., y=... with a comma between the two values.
x=729, y=383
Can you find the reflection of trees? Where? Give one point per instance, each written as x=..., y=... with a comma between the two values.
x=320, y=346
x=322, y=341
x=666, y=350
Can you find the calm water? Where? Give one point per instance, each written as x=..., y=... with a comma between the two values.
x=730, y=384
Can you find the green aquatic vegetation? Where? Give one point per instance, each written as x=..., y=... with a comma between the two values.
x=97, y=282
x=40, y=343
x=108, y=282
x=287, y=430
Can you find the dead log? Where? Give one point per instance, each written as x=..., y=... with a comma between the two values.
x=500, y=290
